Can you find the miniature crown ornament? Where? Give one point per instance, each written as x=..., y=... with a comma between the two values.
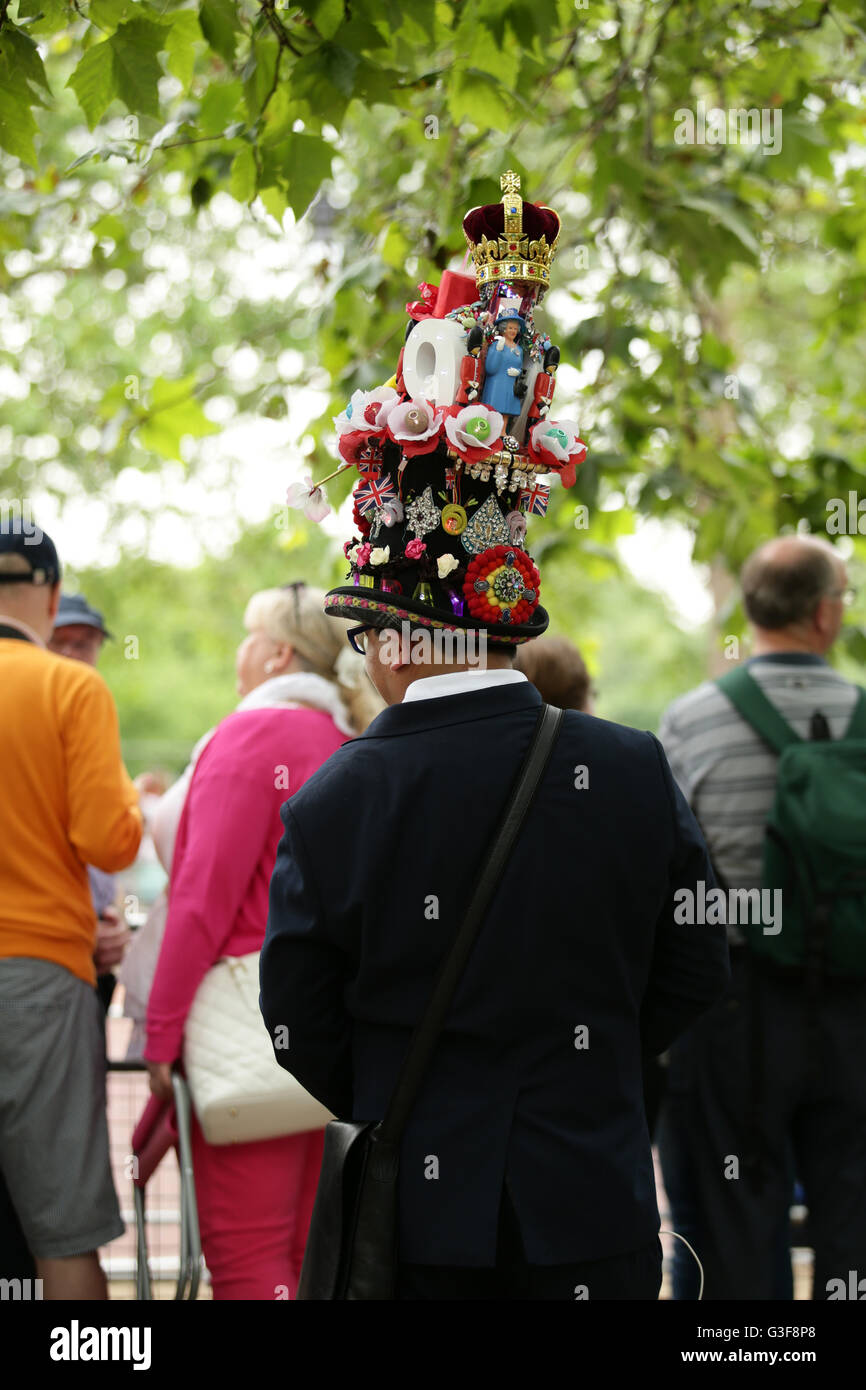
x=524, y=248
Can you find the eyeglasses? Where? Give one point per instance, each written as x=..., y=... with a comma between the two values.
x=847, y=596
x=357, y=638
x=296, y=585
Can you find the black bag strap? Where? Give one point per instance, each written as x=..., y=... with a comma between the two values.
x=427, y=1031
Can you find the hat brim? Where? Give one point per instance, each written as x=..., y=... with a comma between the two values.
x=381, y=607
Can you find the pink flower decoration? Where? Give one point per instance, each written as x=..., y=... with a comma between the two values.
x=415, y=549
x=363, y=553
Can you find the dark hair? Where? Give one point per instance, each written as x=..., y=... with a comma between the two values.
x=557, y=670
x=784, y=585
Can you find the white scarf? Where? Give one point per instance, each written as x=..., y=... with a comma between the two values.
x=300, y=687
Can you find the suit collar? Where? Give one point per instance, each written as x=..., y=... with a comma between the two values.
x=415, y=716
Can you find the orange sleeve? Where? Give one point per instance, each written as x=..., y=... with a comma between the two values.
x=105, y=822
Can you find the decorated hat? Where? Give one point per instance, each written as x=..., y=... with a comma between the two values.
x=450, y=456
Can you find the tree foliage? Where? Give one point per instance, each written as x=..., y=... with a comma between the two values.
x=210, y=212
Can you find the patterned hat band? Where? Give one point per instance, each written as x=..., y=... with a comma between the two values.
x=449, y=454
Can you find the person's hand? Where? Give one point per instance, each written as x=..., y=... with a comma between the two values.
x=148, y=784
x=160, y=1079
x=112, y=939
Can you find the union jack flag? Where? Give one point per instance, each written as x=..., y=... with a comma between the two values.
x=533, y=500
x=450, y=478
x=373, y=491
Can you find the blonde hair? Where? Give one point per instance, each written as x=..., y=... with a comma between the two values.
x=295, y=615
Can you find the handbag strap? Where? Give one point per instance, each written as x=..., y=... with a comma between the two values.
x=427, y=1031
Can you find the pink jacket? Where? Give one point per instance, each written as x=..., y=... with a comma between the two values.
x=225, y=851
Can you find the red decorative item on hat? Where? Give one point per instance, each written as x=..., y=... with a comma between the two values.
x=501, y=586
x=425, y=307
x=361, y=447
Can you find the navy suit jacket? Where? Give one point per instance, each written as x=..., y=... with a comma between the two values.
x=578, y=971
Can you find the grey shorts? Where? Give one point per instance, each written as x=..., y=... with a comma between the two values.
x=53, y=1127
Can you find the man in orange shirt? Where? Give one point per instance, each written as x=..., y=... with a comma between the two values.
x=67, y=802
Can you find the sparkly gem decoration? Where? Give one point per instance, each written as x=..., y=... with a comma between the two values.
x=501, y=586
x=422, y=514
x=487, y=528
x=454, y=518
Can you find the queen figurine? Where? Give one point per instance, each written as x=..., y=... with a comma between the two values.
x=503, y=366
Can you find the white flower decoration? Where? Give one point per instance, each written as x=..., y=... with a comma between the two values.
x=559, y=439
x=354, y=416
x=474, y=427
x=380, y=555
x=309, y=499
x=403, y=421
x=445, y=564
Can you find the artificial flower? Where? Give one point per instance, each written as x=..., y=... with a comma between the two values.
x=414, y=425
x=415, y=549
x=362, y=554
x=473, y=430
x=555, y=444
x=309, y=499
x=380, y=555
x=424, y=307
x=445, y=564
x=359, y=413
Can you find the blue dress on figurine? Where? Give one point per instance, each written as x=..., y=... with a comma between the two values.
x=498, y=389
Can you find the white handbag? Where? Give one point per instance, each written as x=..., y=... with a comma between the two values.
x=238, y=1088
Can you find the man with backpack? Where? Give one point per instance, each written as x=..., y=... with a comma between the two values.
x=770, y=1083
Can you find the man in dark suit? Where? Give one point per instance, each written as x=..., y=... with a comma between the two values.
x=526, y=1168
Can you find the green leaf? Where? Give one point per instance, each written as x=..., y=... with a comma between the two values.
x=110, y=226
x=220, y=106
x=258, y=74
x=23, y=58
x=183, y=36
x=108, y=14
x=172, y=413
x=726, y=216
x=17, y=127
x=219, y=24
x=480, y=98
x=327, y=16
x=136, y=67
x=302, y=162
x=93, y=81
x=275, y=202
x=55, y=15
x=242, y=183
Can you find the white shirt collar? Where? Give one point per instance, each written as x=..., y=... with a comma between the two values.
x=22, y=627
x=459, y=683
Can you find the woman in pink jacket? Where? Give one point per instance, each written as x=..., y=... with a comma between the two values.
x=255, y=1199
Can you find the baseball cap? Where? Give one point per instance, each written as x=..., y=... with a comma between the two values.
x=24, y=540
x=74, y=610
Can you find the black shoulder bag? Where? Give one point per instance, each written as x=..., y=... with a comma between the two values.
x=352, y=1245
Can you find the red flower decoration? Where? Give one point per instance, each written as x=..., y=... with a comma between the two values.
x=361, y=447
x=425, y=307
x=501, y=586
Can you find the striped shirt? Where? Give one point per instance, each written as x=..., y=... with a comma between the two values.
x=726, y=771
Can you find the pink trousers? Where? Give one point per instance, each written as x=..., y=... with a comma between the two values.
x=254, y=1207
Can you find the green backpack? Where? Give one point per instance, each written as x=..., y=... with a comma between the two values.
x=815, y=845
